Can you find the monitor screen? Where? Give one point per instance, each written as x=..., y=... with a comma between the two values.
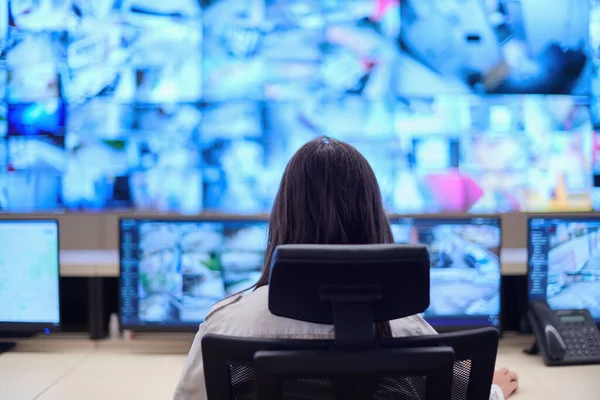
x=564, y=263
x=465, y=268
x=173, y=272
x=29, y=274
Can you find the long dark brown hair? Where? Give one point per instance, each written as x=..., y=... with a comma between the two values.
x=328, y=195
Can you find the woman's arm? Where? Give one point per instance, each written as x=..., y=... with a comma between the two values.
x=506, y=383
x=191, y=384
x=496, y=393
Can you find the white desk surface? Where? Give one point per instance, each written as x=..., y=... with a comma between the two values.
x=127, y=370
x=24, y=376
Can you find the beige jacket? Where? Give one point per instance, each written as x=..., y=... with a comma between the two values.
x=248, y=315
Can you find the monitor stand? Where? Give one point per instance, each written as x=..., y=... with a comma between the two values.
x=6, y=346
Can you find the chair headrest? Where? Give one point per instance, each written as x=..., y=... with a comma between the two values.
x=303, y=277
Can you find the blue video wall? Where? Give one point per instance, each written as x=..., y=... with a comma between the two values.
x=193, y=106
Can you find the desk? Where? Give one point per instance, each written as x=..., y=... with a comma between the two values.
x=24, y=376
x=126, y=370
x=539, y=382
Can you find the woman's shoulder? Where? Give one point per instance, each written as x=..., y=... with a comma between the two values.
x=234, y=302
x=413, y=325
x=248, y=315
x=223, y=304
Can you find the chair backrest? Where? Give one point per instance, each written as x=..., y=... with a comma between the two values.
x=413, y=373
x=349, y=286
x=474, y=358
x=230, y=367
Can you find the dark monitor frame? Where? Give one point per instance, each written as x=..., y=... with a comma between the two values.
x=575, y=217
x=170, y=327
x=37, y=326
x=393, y=218
x=444, y=219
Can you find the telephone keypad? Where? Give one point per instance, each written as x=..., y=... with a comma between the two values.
x=581, y=340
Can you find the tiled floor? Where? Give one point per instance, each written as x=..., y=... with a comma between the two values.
x=85, y=371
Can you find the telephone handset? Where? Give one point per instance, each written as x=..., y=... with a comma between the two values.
x=564, y=337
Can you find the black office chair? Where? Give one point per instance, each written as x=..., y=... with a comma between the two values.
x=350, y=287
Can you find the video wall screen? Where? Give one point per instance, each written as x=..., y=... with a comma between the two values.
x=196, y=106
x=495, y=47
x=465, y=268
x=564, y=263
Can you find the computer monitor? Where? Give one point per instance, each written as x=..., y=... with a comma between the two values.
x=465, y=268
x=174, y=271
x=564, y=262
x=29, y=276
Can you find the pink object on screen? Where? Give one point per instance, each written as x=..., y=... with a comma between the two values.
x=473, y=191
x=453, y=191
x=383, y=6
x=448, y=190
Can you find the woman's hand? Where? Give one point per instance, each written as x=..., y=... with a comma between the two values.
x=507, y=380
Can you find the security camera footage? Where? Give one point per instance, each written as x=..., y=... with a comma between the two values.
x=564, y=263
x=173, y=272
x=495, y=46
x=493, y=154
x=190, y=106
x=465, y=268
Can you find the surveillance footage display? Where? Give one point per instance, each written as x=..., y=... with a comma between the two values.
x=495, y=47
x=494, y=154
x=465, y=268
x=191, y=106
x=174, y=272
x=29, y=273
x=564, y=263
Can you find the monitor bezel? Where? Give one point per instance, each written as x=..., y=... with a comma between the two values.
x=444, y=219
x=169, y=327
x=37, y=326
x=161, y=326
x=576, y=217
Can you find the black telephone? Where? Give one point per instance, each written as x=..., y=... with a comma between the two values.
x=564, y=337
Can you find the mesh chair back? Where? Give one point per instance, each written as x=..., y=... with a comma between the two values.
x=230, y=369
x=475, y=359
x=242, y=382
x=416, y=374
